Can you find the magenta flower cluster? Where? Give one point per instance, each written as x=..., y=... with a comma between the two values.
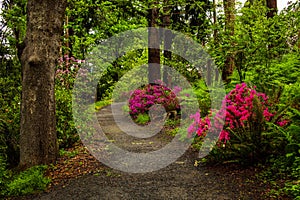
x=237, y=110
x=142, y=99
x=66, y=70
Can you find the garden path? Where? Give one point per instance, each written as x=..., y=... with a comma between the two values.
x=179, y=180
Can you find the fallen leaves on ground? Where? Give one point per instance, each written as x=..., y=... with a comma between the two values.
x=74, y=162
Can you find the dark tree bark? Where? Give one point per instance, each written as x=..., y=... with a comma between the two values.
x=154, y=52
x=272, y=5
x=38, y=140
x=167, y=43
x=215, y=35
x=299, y=39
x=229, y=7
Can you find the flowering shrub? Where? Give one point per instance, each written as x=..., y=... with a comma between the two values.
x=244, y=109
x=65, y=75
x=66, y=71
x=142, y=99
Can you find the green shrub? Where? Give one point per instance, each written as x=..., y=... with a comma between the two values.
x=142, y=119
x=70, y=154
x=4, y=174
x=27, y=182
x=293, y=188
x=285, y=161
x=65, y=126
x=202, y=93
x=65, y=75
x=10, y=119
x=102, y=103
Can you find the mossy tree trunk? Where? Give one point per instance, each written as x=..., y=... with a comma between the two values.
x=167, y=43
x=38, y=139
x=229, y=9
x=154, y=45
x=272, y=5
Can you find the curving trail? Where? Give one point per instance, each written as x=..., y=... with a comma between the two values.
x=180, y=180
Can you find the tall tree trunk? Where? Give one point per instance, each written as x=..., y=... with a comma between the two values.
x=167, y=43
x=215, y=34
x=299, y=39
x=272, y=5
x=154, y=52
x=229, y=8
x=67, y=36
x=38, y=140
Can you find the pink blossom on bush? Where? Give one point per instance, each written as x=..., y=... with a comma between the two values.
x=267, y=114
x=66, y=70
x=142, y=99
x=238, y=110
x=194, y=126
x=283, y=123
x=224, y=135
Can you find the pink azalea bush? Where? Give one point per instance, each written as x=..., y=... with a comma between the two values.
x=66, y=71
x=241, y=107
x=65, y=75
x=142, y=99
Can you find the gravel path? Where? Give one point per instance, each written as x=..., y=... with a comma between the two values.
x=179, y=180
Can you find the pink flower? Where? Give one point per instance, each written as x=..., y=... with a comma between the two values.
x=283, y=123
x=237, y=114
x=267, y=114
x=224, y=135
x=142, y=99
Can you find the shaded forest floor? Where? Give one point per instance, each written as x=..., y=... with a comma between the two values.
x=78, y=175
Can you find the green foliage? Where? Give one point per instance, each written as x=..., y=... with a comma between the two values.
x=172, y=122
x=12, y=33
x=91, y=21
x=267, y=55
x=64, y=82
x=27, y=182
x=103, y=103
x=293, y=188
x=14, y=16
x=173, y=132
x=257, y=40
x=117, y=70
x=203, y=95
x=285, y=143
x=4, y=174
x=10, y=118
x=65, y=126
x=70, y=154
x=282, y=74
x=191, y=17
x=142, y=118
x=283, y=168
x=292, y=155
